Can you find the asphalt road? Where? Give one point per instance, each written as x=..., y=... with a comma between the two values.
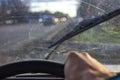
x=15, y=35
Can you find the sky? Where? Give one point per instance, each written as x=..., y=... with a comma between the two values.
x=66, y=6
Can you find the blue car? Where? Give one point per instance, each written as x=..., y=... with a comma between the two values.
x=48, y=21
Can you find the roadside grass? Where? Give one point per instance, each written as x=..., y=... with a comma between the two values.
x=100, y=34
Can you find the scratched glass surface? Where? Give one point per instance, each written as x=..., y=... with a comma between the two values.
x=28, y=27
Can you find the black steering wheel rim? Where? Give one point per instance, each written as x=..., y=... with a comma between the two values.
x=33, y=66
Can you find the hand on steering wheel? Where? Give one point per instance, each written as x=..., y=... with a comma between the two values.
x=78, y=66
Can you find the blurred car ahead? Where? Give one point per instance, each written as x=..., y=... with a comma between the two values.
x=48, y=21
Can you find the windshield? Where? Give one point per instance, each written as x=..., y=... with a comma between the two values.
x=28, y=27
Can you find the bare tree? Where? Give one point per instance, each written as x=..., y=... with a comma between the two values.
x=13, y=9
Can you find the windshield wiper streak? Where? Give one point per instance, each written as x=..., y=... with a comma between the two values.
x=87, y=24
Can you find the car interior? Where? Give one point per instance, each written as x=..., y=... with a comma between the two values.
x=46, y=69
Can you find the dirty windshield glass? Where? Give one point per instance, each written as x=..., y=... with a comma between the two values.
x=28, y=27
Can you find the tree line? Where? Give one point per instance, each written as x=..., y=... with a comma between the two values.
x=18, y=11
x=13, y=9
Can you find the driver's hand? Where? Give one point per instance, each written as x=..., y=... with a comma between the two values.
x=81, y=66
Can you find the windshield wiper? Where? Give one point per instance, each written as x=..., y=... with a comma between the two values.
x=87, y=24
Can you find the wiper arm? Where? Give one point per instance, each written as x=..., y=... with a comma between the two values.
x=87, y=24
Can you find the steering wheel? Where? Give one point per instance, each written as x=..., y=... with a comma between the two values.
x=34, y=66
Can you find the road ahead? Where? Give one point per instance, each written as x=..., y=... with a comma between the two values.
x=13, y=35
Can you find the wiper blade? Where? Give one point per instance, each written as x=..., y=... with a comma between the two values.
x=87, y=24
